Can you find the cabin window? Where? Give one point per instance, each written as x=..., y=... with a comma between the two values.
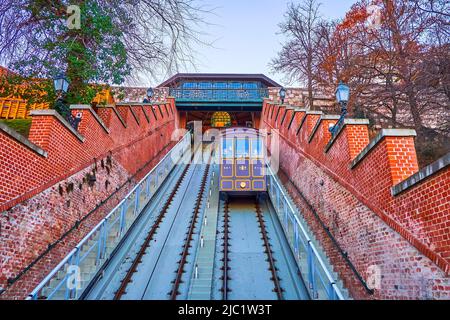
x=257, y=148
x=227, y=148
x=242, y=147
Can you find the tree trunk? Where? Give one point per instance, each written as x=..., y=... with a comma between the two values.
x=404, y=66
x=414, y=107
x=394, y=99
x=310, y=82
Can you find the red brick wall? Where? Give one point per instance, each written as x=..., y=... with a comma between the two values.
x=43, y=197
x=28, y=173
x=406, y=235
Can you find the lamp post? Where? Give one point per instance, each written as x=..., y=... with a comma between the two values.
x=150, y=93
x=61, y=85
x=342, y=97
x=282, y=95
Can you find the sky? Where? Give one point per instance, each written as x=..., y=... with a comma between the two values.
x=245, y=36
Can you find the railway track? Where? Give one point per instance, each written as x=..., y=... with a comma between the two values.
x=141, y=258
x=260, y=278
x=187, y=242
x=138, y=259
x=268, y=251
x=225, y=259
x=150, y=276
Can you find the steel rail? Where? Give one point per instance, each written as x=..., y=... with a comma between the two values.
x=138, y=259
x=268, y=251
x=226, y=238
x=66, y=259
x=322, y=265
x=187, y=244
x=332, y=238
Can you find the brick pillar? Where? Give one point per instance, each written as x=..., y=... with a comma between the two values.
x=123, y=111
x=307, y=125
x=402, y=157
x=357, y=137
x=278, y=116
x=285, y=122
x=40, y=130
x=104, y=113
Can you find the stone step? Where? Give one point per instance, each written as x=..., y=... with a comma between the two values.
x=321, y=251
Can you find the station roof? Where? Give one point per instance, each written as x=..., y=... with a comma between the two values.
x=219, y=77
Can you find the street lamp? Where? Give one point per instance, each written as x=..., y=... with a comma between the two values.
x=282, y=95
x=342, y=97
x=61, y=85
x=150, y=93
x=342, y=93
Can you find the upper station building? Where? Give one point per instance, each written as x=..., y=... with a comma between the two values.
x=219, y=100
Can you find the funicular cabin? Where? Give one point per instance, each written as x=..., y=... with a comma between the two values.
x=241, y=162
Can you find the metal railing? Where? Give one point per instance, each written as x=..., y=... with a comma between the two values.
x=318, y=279
x=220, y=94
x=72, y=275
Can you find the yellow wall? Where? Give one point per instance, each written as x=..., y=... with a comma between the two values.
x=14, y=108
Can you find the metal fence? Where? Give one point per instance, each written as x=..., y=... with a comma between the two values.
x=317, y=277
x=72, y=275
x=220, y=94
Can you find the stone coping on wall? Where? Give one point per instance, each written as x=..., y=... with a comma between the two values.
x=309, y=112
x=424, y=173
x=145, y=114
x=296, y=109
x=323, y=117
x=18, y=137
x=50, y=112
x=341, y=128
x=279, y=104
x=131, y=104
x=89, y=108
x=383, y=133
x=288, y=106
x=135, y=116
x=286, y=110
x=117, y=113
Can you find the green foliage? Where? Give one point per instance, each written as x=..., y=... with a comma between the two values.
x=94, y=54
x=22, y=126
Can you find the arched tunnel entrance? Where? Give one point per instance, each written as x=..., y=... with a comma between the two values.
x=220, y=119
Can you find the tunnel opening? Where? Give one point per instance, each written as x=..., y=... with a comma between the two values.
x=220, y=119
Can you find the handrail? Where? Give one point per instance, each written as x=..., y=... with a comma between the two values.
x=135, y=190
x=52, y=273
x=335, y=242
x=146, y=176
x=314, y=250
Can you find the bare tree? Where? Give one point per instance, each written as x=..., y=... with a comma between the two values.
x=398, y=68
x=118, y=39
x=439, y=8
x=297, y=57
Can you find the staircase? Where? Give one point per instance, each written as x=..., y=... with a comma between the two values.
x=202, y=281
x=302, y=257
